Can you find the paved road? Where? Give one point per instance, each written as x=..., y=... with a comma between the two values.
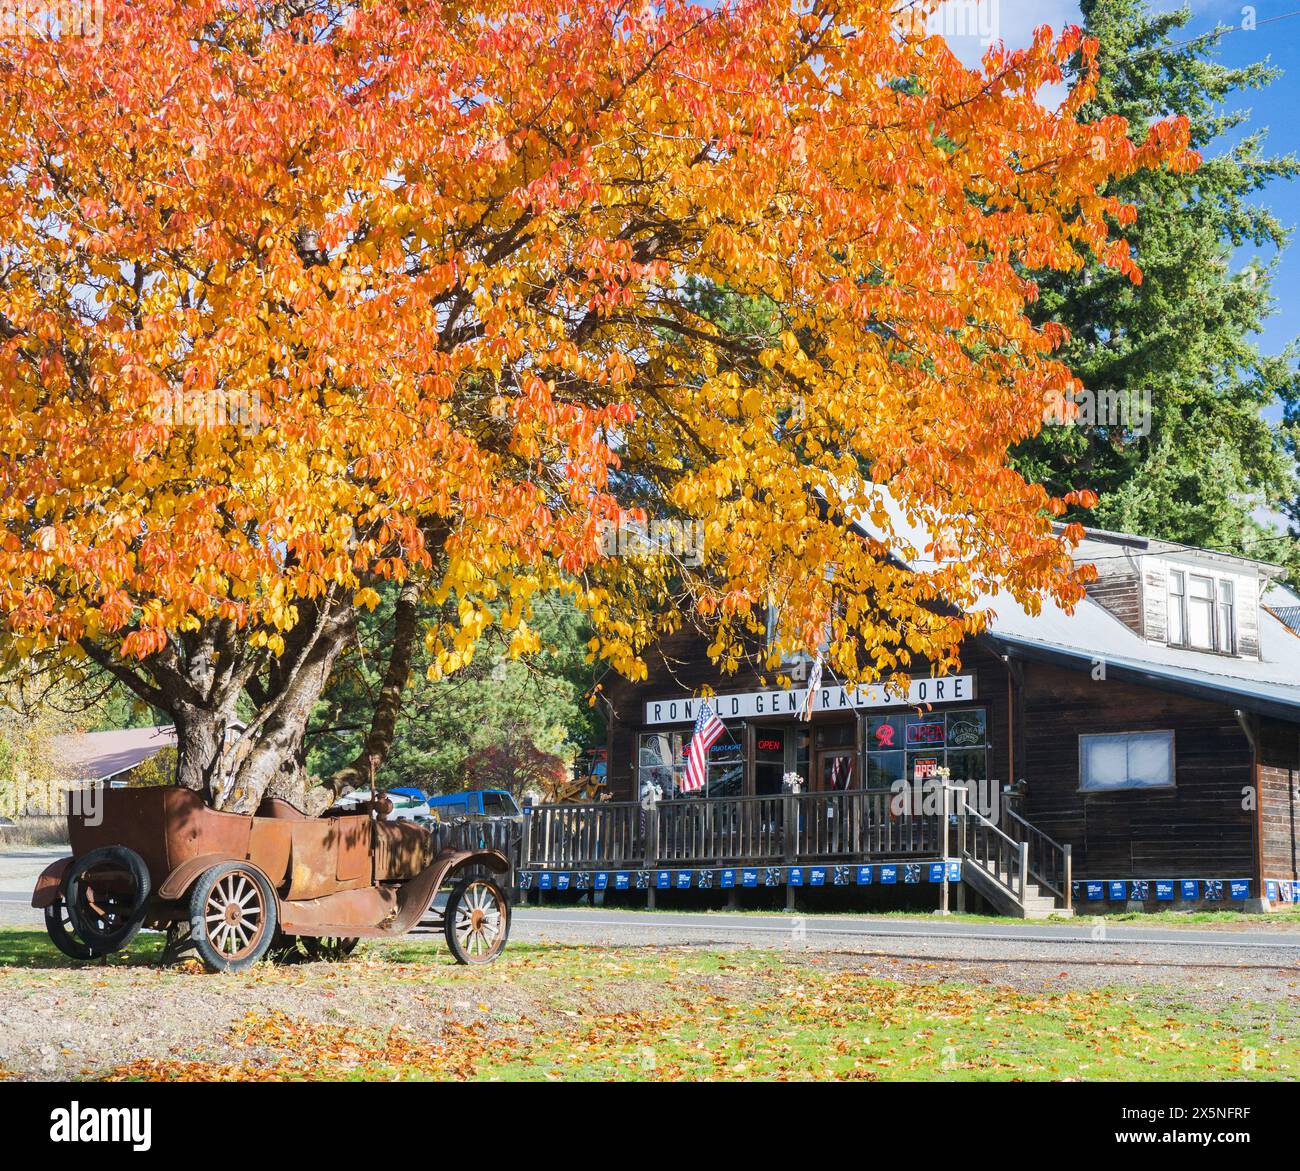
x=665, y=927
x=18, y=870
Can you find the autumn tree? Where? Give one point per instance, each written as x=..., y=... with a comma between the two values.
x=302, y=298
x=494, y=718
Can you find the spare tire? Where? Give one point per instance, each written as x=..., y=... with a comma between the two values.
x=107, y=923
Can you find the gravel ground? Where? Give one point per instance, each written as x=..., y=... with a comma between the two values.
x=58, y=1022
x=83, y=1022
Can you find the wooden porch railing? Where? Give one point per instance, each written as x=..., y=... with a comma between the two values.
x=1050, y=863
x=1003, y=860
x=859, y=824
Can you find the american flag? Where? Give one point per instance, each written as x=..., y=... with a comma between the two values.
x=814, y=682
x=705, y=734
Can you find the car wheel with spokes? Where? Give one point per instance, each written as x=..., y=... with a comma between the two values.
x=232, y=916
x=477, y=920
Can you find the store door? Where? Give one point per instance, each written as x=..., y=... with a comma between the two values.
x=835, y=770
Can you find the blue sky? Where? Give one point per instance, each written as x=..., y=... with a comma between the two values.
x=1276, y=109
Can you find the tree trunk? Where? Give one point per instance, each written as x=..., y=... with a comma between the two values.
x=388, y=705
x=202, y=736
x=270, y=757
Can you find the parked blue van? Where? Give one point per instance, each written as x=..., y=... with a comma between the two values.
x=475, y=803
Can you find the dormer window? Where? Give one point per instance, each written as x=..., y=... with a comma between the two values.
x=1202, y=613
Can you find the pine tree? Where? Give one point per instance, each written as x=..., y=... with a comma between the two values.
x=1183, y=340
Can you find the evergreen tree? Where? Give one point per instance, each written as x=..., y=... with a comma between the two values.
x=1207, y=457
x=497, y=723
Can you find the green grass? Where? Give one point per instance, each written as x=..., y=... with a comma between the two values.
x=31, y=948
x=858, y=1028
x=570, y=1012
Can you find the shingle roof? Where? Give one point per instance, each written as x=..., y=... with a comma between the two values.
x=96, y=756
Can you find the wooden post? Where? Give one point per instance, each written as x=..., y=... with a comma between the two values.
x=944, y=806
x=1024, y=870
x=791, y=843
x=525, y=848
x=960, y=806
x=1069, y=879
x=651, y=852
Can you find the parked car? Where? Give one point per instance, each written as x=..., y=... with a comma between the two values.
x=474, y=803
x=236, y=886
x=408, y=804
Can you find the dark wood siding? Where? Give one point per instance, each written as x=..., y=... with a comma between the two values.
x=1279, y=797
x=1199, y=829
x=1121, y=594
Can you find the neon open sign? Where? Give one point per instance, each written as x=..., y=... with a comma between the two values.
x=925, y=733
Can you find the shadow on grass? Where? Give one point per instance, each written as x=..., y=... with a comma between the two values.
x=29, y=948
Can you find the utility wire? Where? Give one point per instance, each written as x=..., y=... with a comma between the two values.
x=1214, y=34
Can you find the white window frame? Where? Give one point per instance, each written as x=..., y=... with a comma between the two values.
x=1128, y=787
x=1225, y=641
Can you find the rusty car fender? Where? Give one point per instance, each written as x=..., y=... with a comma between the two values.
x=178, y=881
x=493, y=859
x=50, y=883
x=381, y=912
x=415, y=896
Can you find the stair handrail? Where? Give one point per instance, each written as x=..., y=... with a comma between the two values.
x=1006, y=852
x=1050, y=863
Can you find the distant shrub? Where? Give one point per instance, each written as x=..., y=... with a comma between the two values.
x=154, y=773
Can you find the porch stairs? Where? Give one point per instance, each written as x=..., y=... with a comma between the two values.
x=1015, y=866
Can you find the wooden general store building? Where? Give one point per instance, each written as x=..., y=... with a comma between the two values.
x=1145, y=749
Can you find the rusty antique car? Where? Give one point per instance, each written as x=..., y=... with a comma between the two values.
x=237, y=888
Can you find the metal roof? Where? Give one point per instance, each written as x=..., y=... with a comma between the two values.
x=1091, y=634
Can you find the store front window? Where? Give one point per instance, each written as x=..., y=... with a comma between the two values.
x=662, y=763
x=726, y=769
x=914, y=747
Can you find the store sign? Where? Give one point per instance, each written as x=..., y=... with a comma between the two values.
x=952, y=689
